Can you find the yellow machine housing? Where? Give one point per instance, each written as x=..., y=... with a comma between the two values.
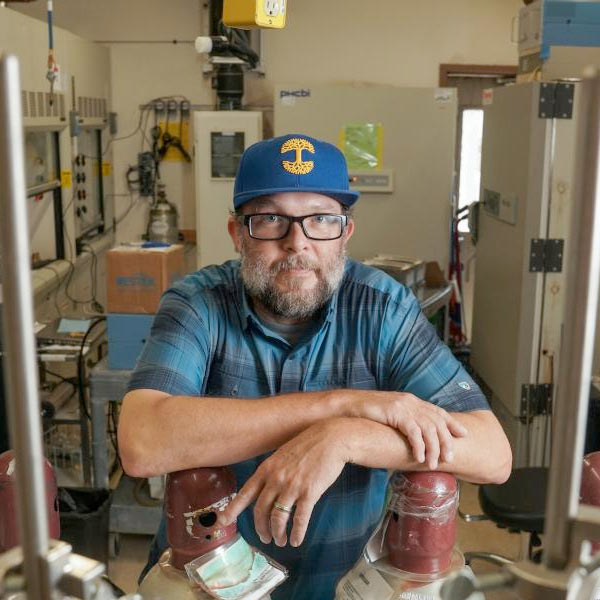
x=246, y=14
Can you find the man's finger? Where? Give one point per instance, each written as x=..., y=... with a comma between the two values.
x=432, y=445
x=244, y=498
x=304, y=509
x=280, y=514
x=446, y=444
x=415, y=439
x=262, y=514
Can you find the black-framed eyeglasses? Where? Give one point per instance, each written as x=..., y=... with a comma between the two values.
x=267, y=226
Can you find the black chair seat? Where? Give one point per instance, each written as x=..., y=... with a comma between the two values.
x=520, y=502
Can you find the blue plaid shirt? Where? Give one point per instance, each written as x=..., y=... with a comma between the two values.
x=207, y=341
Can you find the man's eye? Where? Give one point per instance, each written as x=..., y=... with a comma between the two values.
x=269, y=219
x=322, y=219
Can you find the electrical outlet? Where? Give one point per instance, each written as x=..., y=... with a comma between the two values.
x=270, y=13
x=246, y=14
x=271, y=8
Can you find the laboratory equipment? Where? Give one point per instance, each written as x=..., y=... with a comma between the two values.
x=89, y=182
x=413, y=550
x=221, y=138
x=255, y=13
x=204, y=559
x=558, y=38
x=9, y=530
x=44, y=197
x=567, y=570
x=522, y=255
x=163, y=225
x=39, y=566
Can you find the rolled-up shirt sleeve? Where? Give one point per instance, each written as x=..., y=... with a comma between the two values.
x=174, y=359
x=421, y=364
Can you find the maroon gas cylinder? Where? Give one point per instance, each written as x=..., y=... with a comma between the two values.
x=590, y=485
x=193, y=500
x=421, y=531
x=9, y=519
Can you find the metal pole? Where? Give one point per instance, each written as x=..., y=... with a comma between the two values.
x=21, y=364
x=575, y=370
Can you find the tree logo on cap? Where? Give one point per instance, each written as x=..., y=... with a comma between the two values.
x=298, y=167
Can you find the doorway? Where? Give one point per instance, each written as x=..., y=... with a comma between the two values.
x=470, y=81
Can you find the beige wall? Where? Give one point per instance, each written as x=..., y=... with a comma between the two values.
x=402, y=44
x=336, y=40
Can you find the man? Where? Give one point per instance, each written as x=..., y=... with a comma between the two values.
x=308, y=372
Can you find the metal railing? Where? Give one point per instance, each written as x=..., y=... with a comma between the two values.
x=20, y=362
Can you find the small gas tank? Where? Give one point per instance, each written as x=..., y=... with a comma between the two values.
x=366, y=581
x=9, y=519
x=165, y=581
x=163, y=225
x=590, y=485
x=421, y=532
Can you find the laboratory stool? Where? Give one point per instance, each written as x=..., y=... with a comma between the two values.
x=519, y=505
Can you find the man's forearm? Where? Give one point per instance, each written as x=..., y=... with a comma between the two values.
x=482, y=456
x=159, y=433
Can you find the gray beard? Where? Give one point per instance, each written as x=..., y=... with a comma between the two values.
x=295, y=302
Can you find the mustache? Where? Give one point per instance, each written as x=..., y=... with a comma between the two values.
x=294, y=262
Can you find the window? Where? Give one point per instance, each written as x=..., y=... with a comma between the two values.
x=470, y=160
x=44, y=203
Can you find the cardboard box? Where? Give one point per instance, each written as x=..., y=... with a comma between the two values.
x=136, y=277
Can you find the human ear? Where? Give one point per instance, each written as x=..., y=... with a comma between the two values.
x=234, y=230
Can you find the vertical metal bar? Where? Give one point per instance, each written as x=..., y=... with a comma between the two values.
x=21, y=362
x=575, y=370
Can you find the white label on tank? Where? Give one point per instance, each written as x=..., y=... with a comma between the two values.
x=160, y=227
x=409, y=595
x=364, y=584
x=11, y=467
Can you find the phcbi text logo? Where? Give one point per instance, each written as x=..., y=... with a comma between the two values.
x=294, y=93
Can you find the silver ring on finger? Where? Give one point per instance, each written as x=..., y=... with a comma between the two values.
x=282, y=507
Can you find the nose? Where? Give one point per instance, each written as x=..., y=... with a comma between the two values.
x=295, y=241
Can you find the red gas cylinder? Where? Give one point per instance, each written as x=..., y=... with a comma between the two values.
x=421, y=532
x=9, y=519
x=193, y=499
x=590, y=485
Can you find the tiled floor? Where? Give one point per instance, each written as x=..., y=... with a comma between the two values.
x=483, y=536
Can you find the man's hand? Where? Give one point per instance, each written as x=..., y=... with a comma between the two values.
x=297, y=474
x=428, y=428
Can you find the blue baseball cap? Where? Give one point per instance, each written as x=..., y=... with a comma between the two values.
x=293, y=163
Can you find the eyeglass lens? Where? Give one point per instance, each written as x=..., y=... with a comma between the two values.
x=318, y=227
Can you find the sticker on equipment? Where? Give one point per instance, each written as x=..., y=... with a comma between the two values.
x=364, y=584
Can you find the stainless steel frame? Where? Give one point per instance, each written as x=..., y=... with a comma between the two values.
x=21, y=362
x=575, y=371
x=567, y=523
